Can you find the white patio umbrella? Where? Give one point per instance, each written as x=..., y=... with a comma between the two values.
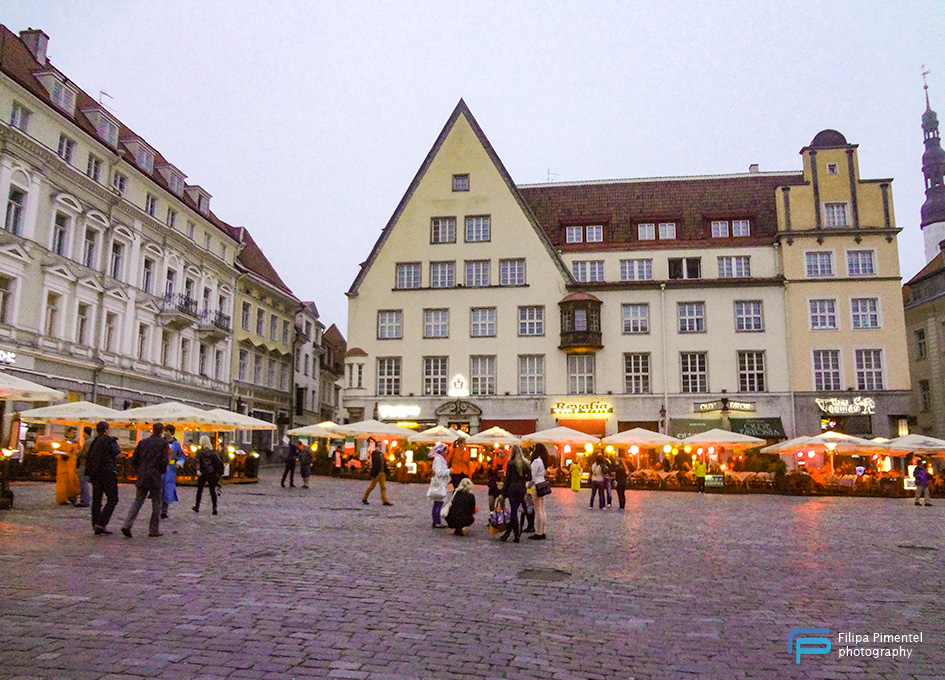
x=640, y=437
x=916, y=442
x=312, y=431
x=75, y=413
x=461, y=434
x=434, y=435
x=177, y=414
x=494, y=435
x=783, y=447
x=373, y=428
x=837, y=442
x=241, y=421
x=717, y=437
x=18, y=389
x=560, y=435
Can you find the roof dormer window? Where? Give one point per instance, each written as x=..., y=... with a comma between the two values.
x=174, y=178
x=144, y=155
x=105, y=126
x=62, y=95
x=200, y=197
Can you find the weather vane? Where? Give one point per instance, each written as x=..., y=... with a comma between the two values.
x=925, y=84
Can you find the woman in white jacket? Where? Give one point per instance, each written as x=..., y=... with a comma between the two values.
x=439, y=482
x=539, y=466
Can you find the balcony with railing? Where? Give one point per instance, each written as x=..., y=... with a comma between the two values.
x=214, y=325
x=178, y=310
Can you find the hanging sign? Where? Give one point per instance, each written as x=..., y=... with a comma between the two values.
x=838, y=406
x=592, y=408
x=722, y=405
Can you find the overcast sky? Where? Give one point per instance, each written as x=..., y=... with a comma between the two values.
x=306, y=121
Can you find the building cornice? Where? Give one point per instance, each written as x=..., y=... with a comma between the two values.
x=656, y=284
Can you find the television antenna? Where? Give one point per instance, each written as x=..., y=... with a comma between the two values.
x=101, y=95
x=552, y=176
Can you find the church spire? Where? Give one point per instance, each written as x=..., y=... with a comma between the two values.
x=933, y=167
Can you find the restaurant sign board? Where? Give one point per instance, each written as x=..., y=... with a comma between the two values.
x=839, y=406
x=723, y=404
x=591, y=408
x=398, y=411
x=714, y=481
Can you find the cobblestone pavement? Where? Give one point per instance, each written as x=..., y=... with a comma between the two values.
x=295, y=583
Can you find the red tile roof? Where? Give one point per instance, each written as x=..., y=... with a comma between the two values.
x=252, y=258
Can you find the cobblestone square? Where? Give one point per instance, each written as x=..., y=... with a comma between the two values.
x=295, y=583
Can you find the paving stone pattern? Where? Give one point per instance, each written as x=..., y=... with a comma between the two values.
x=295, y=583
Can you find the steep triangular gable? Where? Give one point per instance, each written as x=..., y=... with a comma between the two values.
x=60, y=270
x=460, y=110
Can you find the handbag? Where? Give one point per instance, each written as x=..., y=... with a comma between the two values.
x=499, y=520
x=445, y=510
x=543, y=488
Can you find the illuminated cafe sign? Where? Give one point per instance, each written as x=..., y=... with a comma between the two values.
x=593, y=408
x=398, y=411
x=720, y=405
x=838, y=406
x=7, y=357
x=458, y=387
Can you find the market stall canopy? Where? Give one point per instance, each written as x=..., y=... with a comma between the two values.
x=843, y=443
x=312, y=431
x=560, y=435
x=784, y=447
x=17, y=389
x=639, y=436
x=241, y=421
x=434, y=435
x=717, y=437
x=917, y=442
x=373, y=428
x=494, y=435
x=177, y=414
x=75, y=413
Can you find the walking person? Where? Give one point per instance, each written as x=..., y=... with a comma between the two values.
x=378, y=472
x=150, y=463
x=921, y=475
x=80, y=463
x=291, y=456
x=209, y=469
x=608, y=479
x=462, y=508
x=538, y=469
x=67, y=478
x=170, y=477
x=517, y=473
x=102, y=470
x=305, y=463
x=597, y=481
x=336, y=460
x=438, y=483
x=698, y=470
x=575, y=471
x=620, y=478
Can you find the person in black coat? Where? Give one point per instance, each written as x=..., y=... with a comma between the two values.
x=150, y=461
x=209, y=469
x=517, y=473
x=101, y=468
x=462, y=507
x=620, y=477
x=291, y=456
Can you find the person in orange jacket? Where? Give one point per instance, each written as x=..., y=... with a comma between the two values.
x=460, y=464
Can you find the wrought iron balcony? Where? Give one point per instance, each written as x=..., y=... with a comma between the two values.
x=214, y=325
x=178, y=310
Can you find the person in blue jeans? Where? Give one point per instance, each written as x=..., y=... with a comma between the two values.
x=598, y=471
x=517, y=474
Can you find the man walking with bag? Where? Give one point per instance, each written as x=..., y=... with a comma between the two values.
x=378, y=473
x=102, y=470
x=150, y=462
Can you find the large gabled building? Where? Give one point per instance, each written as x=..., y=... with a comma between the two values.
x=605, y=305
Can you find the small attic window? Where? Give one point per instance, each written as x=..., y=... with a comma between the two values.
x=106, y=128
x=460, y=182
x=61, y=94
x=144, y=159
x=176, y=183
x=203, y=204
x=833, y=169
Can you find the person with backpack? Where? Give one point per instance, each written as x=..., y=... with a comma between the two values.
x=101, y=467
x=209, y=469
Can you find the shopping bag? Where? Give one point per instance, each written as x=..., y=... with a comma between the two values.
x=499, y=520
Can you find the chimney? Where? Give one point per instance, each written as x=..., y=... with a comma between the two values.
x=753, y=169
x=37, y=41
x=941, y=245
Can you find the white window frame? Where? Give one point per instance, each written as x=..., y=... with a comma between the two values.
x=477, y=273
x=478, y=229
x=442, y=230
x=700, y=375
x=408, y=273
x=834, y=373
x=818, y=272
x=637, y=376
x=667, y=231
x=531, y=374
x=741, y=228
x=820, y=317
x=67, y=148
x=531, y=320
x=719, y=228
x=853, y=256
x=442, y=274
x=65, y=230
x=15, y=210
x=510, y=266
x=482, y=375
x=594, y=233
x=857, y=315
x=390, y=324
x=435, y=376
x=20, y=117
x=636, y=269
x=581, y=373
x=734, y=266
x=748, y=315
x=436, y=323
x=751, y=378
x=588, y=271
x=646, y=231
x=482, y=322
x=574, y=234
x=634, y=322
x=834, y=209
x=691, y=317
x=878, y=374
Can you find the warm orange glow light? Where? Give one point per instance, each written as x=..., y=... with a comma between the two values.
x=634, y=449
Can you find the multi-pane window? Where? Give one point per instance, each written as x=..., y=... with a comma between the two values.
x=408, y=275
x=390, y=324
x=6, y=298
x=260, y=321
x=245, y=314
x=271, y=373
x=150, y=204
x=177, y=184
x=16, y=202
x=258, y=376
x=646, y=231
x=144, y=159
x=94, y=167
x=667, y=231
x=482, y=322
x=60, y=229
x=719, y=228
x=925, y=395
x=443, y=230
x=118, y=183
x=90, y=249
x=636, y=373
x=580, y=374
x=460, y=182
x=921, y=346
x=636, y=317
x=749, y=316
x=482, y=375
x=117, y=265
x=512, y=272
x=283, y=377
x=531, y=320
x=691, y=317
x=477, y=273
x=53, y=301
x=741, y=228
x=694, y=372
x=166, y=352
x=869, y=369
x=142, y=353
x=243, y=368
x=435, y=376
x=860, y=263
x=442, y=274
x=823, y=314
x=285, y=332
x=478, y=229
x=20, y=117
x=83, y=321
x=171, y=219
x=818, y=263
x=273, y=326
x=531, y=373
x=827, y=369
x=436, y=323
x=685, y=267
x=865, y=313
x=147, y=276
x=751, y=371
x=574, y=234
x=835, y=215
x=588, y=270
x=636, y=270
x=734, y=266
x=66, y=148
x=111, y=331
x=191, y=230
x=594, y=233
